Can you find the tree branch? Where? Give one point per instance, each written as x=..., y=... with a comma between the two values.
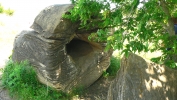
x=170, y=24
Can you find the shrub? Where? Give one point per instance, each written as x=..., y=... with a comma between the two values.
x=113, y=68
x=21, y=81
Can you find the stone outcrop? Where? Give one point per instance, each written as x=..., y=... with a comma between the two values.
x=140, y=80
x=63, y=58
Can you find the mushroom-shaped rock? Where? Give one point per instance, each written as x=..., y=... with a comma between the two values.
x=63, y=59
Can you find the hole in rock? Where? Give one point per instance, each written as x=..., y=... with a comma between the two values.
x=78, y=48
x=82, y=51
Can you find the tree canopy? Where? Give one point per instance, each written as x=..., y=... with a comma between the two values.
x=131, y=25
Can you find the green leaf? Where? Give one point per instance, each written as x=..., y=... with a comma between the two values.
x=107, y=48
x=156, y=60
x=175, y=14
x=110, y=38
x=135, y=3
x=174, y=1
x=106, y=22
x=117, y=20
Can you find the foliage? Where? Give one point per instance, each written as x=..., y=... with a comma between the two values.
x=77, y=91
x=21, y=80
x=113, y=68
x=1, y=9
x=6, y=11
x=9, y=12
x=131, y=25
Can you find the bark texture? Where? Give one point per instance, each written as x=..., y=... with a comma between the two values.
x=139, y=80
x=63, y=59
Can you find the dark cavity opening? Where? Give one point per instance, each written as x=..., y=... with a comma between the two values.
x=78, y=48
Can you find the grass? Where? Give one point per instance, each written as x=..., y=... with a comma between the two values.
x=21, y=81
x=6, y=11
x=9, y=12
x=78, y=91
x=113, y=68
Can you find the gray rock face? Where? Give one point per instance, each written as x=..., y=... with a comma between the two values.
x=63, y=59
x=139, y=80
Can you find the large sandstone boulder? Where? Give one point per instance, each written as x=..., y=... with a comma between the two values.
x=140, y=80
x=63, y=58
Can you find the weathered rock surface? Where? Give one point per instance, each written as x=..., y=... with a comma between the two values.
x=98, y=90
x=139, y=80
x=63, y=59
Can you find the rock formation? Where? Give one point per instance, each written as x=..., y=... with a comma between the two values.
x=140, y=80
x=63, y=56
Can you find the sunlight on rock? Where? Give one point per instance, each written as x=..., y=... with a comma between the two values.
x=43, y=66
x=152, y=84
x=140, y=95
x=157, y=69
x=166, y=98
x=162, y=78
x=150, y=71
x=148, y=85
x=156, y=84
x=167, y=88
x=160, y=70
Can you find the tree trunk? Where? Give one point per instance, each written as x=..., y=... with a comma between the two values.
x=170, y=23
